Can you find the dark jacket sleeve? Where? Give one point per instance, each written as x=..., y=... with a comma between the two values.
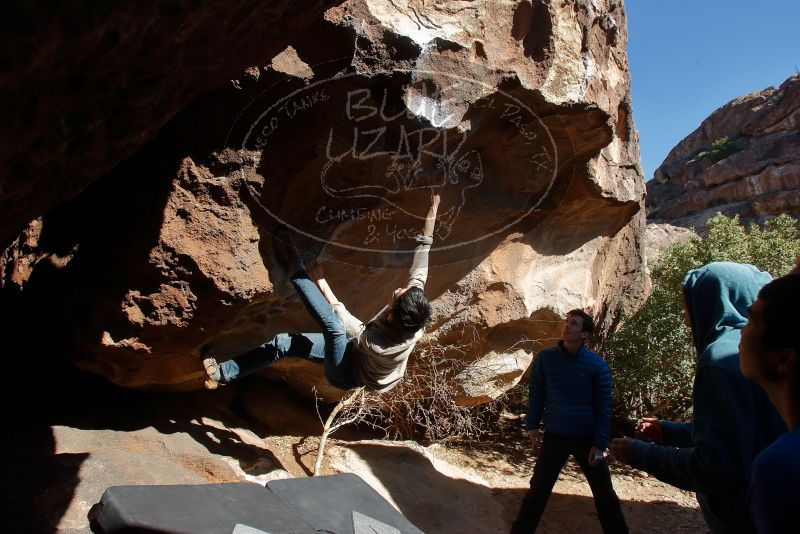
x=724, y=413
x=536, y=394
x=773, y=493
x=601, y=398
x=677, y=434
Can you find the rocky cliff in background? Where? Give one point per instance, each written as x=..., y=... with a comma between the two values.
x=743, y=159
x=520, y=113
x=660, y=236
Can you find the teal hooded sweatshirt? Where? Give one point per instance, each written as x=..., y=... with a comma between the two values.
x=733, y=418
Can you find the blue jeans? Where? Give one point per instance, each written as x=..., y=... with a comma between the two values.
x=329, y=348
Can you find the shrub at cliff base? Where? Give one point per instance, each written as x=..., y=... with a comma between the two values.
x=651, y=355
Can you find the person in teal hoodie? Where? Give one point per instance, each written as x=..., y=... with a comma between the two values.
x=733, y=419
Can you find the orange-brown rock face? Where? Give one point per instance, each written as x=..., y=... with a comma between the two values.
x=756, y=174
x=519, y=114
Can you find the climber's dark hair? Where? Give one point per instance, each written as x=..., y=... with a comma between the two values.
x=412, y=310
x=780, y=319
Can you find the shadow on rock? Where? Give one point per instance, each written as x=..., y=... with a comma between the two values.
x=438, y=497
x=39, y=483
x=76, y=435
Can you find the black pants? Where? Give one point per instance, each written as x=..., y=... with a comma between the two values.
x=553, y=454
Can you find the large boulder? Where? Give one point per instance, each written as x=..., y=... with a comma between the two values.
x=520, y=113
x=743, y=159
x=85, y=85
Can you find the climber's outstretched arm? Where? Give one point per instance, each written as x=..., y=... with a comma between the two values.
x=430, y=219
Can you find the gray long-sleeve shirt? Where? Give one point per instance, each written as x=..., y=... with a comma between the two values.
x=383, y=351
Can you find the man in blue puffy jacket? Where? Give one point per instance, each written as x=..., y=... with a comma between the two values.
x=570, y=389
x=733, y=419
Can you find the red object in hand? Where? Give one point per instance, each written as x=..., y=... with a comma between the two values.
x=649, y=430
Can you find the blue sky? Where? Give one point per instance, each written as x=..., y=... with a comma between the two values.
x=689, y=57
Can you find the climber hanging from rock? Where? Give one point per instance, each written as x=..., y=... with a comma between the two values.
x=372, y=354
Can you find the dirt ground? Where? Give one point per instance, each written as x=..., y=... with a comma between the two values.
x=648, y=504
x=485, y=481
x=60, y=461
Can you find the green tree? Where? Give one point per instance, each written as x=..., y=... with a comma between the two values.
x=651, y=355
x=719, y=149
